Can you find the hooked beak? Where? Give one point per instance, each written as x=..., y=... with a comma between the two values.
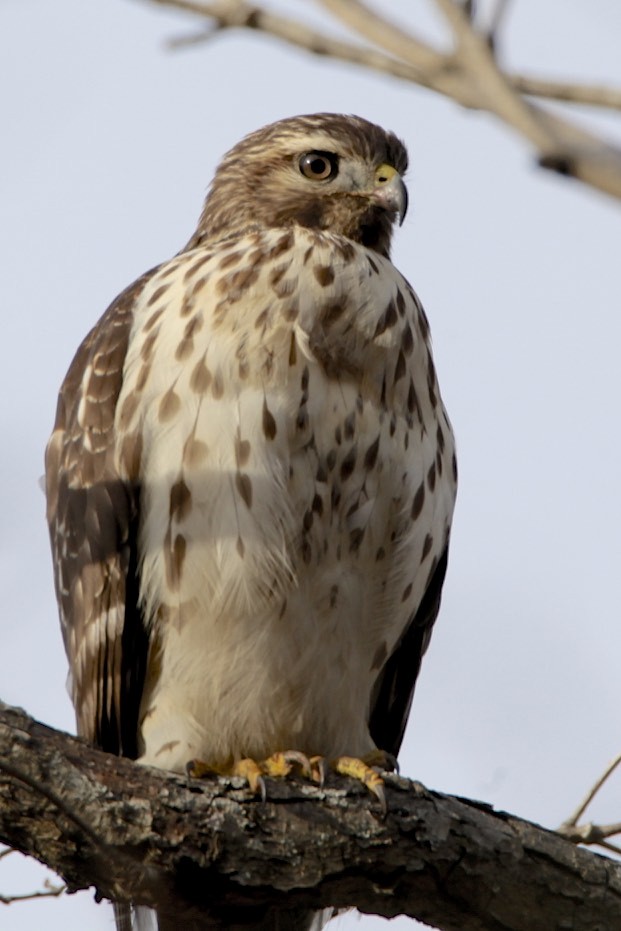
x=390, y=192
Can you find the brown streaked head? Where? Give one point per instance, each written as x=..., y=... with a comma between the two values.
x=323, y=171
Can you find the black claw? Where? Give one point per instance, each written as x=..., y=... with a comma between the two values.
x=189, y=774
x=378, y=792
x=394, y=763
x=298, y=759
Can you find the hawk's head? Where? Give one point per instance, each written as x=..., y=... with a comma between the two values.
x=325, y=171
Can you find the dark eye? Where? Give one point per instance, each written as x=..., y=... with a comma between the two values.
x=319, y=166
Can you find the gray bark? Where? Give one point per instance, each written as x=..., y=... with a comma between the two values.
x=141, y=835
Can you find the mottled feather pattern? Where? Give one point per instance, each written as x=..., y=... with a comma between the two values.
x=91, y=511
x=262, y=160
x=227, y=569
x=252, y=476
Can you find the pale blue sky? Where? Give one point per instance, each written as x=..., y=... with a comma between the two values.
x=108, y=144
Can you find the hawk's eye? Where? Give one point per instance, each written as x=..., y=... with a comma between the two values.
x=319, y=166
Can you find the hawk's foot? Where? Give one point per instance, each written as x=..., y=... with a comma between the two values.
x=364, y=770
x=283, y=763
x=277, y=766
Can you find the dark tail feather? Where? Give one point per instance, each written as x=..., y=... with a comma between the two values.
x=123, y=917
x=294, y=919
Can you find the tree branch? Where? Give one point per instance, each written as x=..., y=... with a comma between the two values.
x=593, y=95
x=468, y=73
x=146, y=836
x=590, y=833
x=50, y=892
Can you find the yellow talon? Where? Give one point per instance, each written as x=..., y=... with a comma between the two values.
x=357, y=769
x=284, y=762
x=252, y=772
x=278, y=765
x=362, y=772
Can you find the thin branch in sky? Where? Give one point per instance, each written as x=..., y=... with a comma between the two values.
x=468, y=72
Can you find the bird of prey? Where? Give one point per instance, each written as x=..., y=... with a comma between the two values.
x=251, y=477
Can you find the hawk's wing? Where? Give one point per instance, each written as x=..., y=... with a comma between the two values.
x=394, y=689
x=92, y=516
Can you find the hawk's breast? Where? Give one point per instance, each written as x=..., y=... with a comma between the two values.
x=297, y=483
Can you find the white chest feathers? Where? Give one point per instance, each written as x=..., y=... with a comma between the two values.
x=281, y=415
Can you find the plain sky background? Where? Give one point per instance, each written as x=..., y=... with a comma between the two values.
x=108, y=143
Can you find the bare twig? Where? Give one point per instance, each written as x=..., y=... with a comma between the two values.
x=49, y=892
x=296, y=34
x=380, y=31
x=49, y=889
x=421, y=57
x=495, y=22
x=467, y=72
x=590, y=833
x=592, y=95
x=580, y=810
x=477, y=62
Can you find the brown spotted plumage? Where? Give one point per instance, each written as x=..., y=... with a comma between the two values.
x=251, y=477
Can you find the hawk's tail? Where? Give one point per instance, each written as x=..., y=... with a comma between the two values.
x=295, y=919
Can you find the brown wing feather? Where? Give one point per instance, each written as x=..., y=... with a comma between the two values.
x=92, y=515
x=394, y=689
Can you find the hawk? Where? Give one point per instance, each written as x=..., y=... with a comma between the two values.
x=251, y=477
